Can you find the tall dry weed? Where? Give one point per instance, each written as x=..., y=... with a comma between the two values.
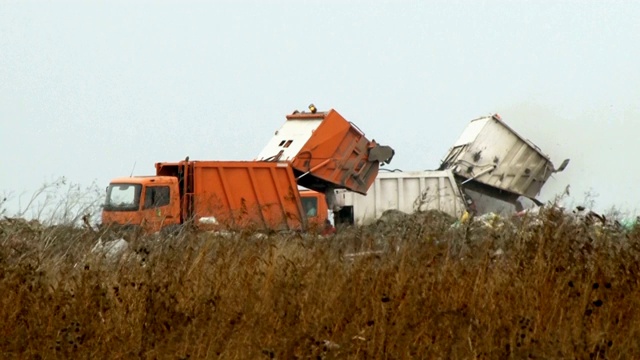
x=541, y=287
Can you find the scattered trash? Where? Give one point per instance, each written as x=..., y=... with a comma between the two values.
x=112, y=250
x=330, y=345
x=363, y=253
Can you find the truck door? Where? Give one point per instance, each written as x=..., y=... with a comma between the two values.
x=314, y=207
x=157, y=209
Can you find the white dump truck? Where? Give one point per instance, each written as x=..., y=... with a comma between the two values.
x=490, y=169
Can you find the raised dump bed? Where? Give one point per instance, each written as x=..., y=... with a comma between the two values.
x=491, y=153
x=326, y=152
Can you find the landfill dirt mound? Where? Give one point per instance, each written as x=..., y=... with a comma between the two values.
x=19, y=225
x=399, y=218
x=396, y=220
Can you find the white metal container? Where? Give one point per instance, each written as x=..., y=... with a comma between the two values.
x=407, y=192
x=289, y=139
x=490, y=152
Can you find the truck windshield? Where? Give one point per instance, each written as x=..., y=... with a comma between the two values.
x=123, y=197
x=310, y=205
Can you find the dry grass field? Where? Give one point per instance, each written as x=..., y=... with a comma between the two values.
x=548, y=287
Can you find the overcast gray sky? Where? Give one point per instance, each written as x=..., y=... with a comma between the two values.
x=87, y=89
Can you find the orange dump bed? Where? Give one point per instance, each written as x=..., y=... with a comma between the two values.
x=238, y=194
x=326, y=151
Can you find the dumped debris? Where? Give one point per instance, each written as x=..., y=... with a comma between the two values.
x=392, y=217
x=433, y=217
x=19, y=225
x=111, y=250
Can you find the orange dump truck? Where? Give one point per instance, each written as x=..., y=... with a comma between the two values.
x=318, y=150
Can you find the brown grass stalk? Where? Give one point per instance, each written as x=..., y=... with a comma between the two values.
x=419, y=288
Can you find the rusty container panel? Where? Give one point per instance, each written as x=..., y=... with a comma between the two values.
x=491, y=153
x=326, y=151
x=246, y=195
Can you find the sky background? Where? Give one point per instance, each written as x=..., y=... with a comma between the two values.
x=88, y=89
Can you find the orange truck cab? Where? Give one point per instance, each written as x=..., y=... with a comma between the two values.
x=317, y=211
x=320, y=151
x=151, y=202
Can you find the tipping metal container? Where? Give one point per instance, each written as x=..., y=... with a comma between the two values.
x=492, y=153
x=326, y=151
